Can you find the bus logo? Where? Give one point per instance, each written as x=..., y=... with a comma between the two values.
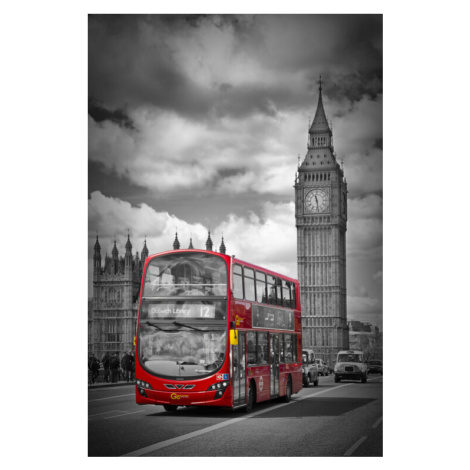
x=221, y=377
x=174, y=396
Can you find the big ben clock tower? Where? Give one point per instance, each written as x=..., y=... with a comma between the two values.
x=321, y=218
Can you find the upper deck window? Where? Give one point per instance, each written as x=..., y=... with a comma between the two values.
x=181, y=274
x=249, y=283
x=271, y=290
x=238, y=281
x=261, y=287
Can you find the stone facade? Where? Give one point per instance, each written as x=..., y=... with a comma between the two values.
x=114, y=305
x=367, y=338
x=321, y=220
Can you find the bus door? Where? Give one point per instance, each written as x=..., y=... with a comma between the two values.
x=238, y=371
x=274, y=364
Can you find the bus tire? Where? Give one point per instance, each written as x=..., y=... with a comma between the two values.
x=315, y=383
x=251, y=398
x=170, y=407
x=288, y=390
x=307, y=381
x=364, y=378
x=337, y=379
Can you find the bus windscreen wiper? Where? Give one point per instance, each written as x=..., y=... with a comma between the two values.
x=187, y=326
x=158, y=328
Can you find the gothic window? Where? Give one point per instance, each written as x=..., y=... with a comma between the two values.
x=111, y=334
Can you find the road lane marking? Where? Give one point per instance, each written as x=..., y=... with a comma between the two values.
x=176, y=440
x=124, y=414
x=115, y=396
x=98, y=389
x=355, y=446
x=377, y=422
x=104, y=413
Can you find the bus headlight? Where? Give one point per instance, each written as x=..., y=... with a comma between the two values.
x=219, y=387
x=141, y=384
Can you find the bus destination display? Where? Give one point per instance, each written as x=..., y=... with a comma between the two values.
x=181, y=311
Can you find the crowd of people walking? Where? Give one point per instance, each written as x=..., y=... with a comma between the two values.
x=115, y=369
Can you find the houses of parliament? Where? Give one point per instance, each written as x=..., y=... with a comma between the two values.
x=321, y=222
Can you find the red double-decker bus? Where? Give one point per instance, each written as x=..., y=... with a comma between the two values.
x=216, y=331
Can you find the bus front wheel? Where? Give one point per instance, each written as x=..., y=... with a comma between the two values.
x=170, y=407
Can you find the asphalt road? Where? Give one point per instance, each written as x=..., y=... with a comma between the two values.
x=342, y=419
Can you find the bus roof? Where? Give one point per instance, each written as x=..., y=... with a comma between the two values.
x=227, y=258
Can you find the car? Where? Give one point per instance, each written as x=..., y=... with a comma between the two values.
x=375, y=365
x=350, y=365
x=322, y=367
x=309, y=368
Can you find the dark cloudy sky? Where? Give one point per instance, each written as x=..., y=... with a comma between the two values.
x=197, y=122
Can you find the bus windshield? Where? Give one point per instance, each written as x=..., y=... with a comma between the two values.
x=182, y=274
x=181, y=350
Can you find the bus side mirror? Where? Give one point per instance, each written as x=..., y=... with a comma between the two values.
x=233, y=334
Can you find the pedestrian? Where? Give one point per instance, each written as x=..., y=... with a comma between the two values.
x=124, y=365
x=128, y=366
x=106, y=364
x=131, y=366
x=94, y=366
x=114, y=367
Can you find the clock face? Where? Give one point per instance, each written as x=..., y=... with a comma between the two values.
x=316, y=201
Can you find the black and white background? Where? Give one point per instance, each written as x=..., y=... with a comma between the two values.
x=46, y=181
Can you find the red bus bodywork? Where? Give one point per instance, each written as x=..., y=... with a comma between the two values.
x=151, y=389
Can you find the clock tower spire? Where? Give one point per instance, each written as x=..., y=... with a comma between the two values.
x=321, y=219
